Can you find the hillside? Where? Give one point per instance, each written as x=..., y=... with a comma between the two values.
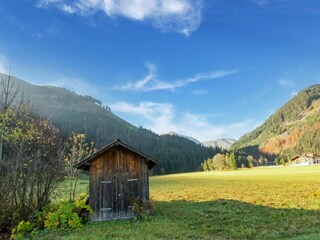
x=71, y=112
x=221, y=143
x=292, y=129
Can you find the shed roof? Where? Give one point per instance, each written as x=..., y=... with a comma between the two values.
x=85, y=163
x=310, y=155
x=295, y=157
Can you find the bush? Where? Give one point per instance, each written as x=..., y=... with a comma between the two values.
x=60, y=215
x=68, y=214
x=63, y=218
x=6, y=216
x=23, y=230
x=142, y=209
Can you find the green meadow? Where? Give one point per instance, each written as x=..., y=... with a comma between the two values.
x=260, y=203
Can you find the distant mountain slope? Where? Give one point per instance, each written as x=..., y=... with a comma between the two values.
x=183, y=136
x=221, y=143
x=71, y=112
x=293, y=129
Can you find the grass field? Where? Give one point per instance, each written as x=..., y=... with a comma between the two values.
x=261, y=203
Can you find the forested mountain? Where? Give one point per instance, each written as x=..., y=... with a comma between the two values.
x=71, y=112
x=292, y=129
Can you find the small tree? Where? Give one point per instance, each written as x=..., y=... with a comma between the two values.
x=8, y=94
x=276, y=161
x=210, y=164
x=205, y=166
x=162, y=171
x=251, y=161
x=232, y=161
x=31, y=167
x=263, y=161
x=77, y=149
x=218, y=162
x=226, y=161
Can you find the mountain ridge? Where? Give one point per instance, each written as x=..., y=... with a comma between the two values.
x=183, y=136
x=223, y=143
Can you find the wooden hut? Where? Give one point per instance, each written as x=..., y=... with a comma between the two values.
x=119, y=174
x=306, y=159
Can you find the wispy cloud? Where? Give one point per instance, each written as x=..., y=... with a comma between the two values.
x=4, y=64
x=151, y=82
x=51, y=31
x=261, y=3
x=182, y=16
x=37, y=36
x=161, y=118
x=286, y=83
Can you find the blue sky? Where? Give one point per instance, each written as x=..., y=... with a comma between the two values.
x=205, y=68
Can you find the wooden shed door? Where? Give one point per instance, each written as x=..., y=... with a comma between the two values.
x=106, y=209
x=117, y=196
x=132, y=193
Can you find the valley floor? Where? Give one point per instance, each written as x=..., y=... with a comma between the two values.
x=260, y=203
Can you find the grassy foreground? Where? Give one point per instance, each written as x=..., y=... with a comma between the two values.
x=261, y=203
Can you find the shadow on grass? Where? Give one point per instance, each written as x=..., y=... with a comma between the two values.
x=231, y=219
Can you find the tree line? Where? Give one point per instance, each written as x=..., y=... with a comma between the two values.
x=232, y=160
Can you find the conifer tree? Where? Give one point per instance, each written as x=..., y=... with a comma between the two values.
x=205, y=166
x=232, y=161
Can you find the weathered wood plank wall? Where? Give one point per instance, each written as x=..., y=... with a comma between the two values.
x=117, y=178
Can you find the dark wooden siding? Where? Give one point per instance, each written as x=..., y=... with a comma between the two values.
x=116, y=179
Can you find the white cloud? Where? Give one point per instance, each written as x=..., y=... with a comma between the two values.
x=286, y=83
x=199, y=127
x=67, y=8
x=182, y=16
x=4, y=64
x=46, y=3
x=151, y=82
x=140, y=84
x=160, y=117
